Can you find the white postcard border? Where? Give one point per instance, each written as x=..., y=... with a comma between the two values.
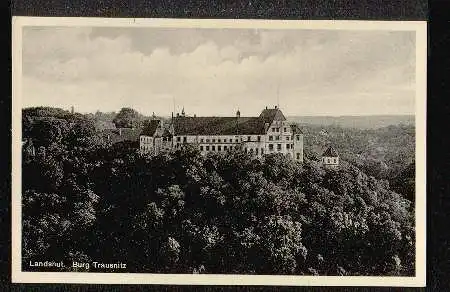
x=18, y=276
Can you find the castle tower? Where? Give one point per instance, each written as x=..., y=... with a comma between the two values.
x=238, y=115
x=297, y=137
x=330, y=158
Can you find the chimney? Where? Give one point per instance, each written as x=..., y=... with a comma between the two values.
x=195, y=115
x=72, y=110
x=276, y=107
x=266, y=106
x=238, y=114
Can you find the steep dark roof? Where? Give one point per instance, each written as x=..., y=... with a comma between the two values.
x=269, y=115
x=219, y=126
x=330, y=152
x=150, y=128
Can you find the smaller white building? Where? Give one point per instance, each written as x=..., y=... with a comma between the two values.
x=330, y=158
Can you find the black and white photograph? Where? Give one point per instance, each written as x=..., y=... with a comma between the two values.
x=163, y=151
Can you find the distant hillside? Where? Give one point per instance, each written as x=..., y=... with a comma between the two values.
x=358, y=122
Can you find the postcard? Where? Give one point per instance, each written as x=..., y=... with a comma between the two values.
x=218, y=152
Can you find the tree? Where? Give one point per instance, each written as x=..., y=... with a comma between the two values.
x=182, y=212
x=127, y=118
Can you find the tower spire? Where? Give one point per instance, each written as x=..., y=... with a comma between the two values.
x=174, y=108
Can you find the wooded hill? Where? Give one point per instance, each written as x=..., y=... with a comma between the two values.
x=181, y=212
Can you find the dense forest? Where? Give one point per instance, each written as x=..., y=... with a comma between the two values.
x=181, y=212
x=386, y=153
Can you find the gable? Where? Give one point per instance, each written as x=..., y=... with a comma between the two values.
x=150, y=128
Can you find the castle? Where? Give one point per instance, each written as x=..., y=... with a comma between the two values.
x=265, y=134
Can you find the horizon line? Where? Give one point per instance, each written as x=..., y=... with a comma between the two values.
x=215, y=115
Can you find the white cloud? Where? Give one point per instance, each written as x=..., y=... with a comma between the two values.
x=344, y=75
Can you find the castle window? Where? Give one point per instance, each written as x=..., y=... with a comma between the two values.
x=207, y=148
x=178, y=139
x=248, y=138
x=257, y=151
x=287, y=146
x=184, y=139
x=259, y=138
x=262, y=151
x=213, y=147
x=270, y=138
x=298, y=137
x=231, y=140
x=278, y=147
x=201, y=148
x=219, y=148
x=271, y=147
x=277, y=138
x=201, y=140
x=287, y=138
x=251, y=150
x=237, y=140
x=245, y=150
x=219, y=140
x=273, y=129
x=284, y=129
x=298, y=155
x=334, y=160
x=278, y=129
x=225, y=147
x=214, y=140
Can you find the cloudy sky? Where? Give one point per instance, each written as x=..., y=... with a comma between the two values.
x=216, y=71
